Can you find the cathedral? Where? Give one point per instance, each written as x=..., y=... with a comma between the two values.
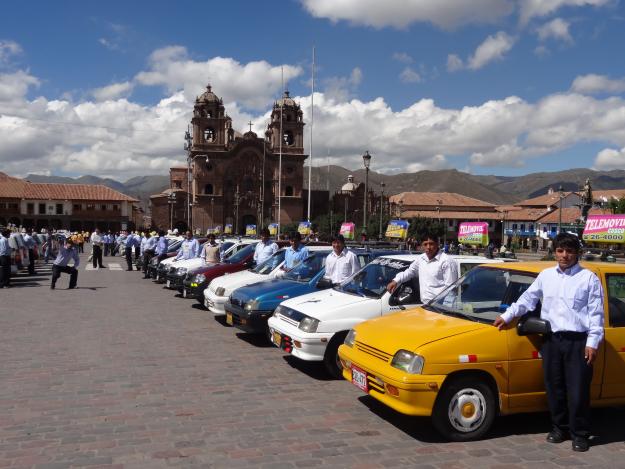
x=232, y=178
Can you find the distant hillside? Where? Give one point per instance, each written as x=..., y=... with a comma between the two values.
x=490, y=188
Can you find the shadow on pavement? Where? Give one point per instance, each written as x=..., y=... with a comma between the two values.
x=199, y=306
x=221, y=319
x=257, y=340
x=315, y=370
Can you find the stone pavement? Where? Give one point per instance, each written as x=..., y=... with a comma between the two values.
x=122, y=373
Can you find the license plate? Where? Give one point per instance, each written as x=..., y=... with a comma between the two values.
x=184, y=292
x=359, y=379
x=168, y=283
x=277, y=338
x=229, y=319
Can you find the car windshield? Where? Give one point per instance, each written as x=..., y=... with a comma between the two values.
x=242, y=254
x=174, y=246
x=482, y=294
x=308, y=268
x=265, y=268
x=223, y=247
x=373, y=279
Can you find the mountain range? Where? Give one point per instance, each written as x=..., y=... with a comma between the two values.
x=489, y=188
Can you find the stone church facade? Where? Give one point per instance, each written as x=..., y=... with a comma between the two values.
x=235, y=178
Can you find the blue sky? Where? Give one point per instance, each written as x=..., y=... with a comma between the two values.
x=489, y=86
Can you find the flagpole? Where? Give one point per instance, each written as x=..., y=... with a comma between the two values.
x=312, y=109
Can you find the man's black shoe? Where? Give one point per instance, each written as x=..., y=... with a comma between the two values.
x=71, y=288
x=555, y=437
x=128, y=270
x=102, y=267
x=51, y=287
x=580, y=445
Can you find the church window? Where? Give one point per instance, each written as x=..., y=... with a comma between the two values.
x=209, y=134
x=209, y=167
x=288, y=191
x=178, y=184
x=288, y=137
x=208, y=189
x=249, y=185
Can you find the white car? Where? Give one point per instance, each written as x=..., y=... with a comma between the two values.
x=311, y=327
x=218, y=291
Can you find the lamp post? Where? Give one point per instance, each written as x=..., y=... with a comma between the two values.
x=237, y=200
x=366, y=159
x=213, y=212
x=561, y=194
x=171, y=200
x=503, y=227
x=187, y=146
x=381, y=208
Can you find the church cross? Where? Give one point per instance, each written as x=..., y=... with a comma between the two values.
x=250, y=124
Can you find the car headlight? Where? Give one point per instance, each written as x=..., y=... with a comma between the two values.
x=221, y=291
x=199, y=278
x=350, y=338
x=251, y=305
x=408, y=362
x=181, y=270
x=308, y=324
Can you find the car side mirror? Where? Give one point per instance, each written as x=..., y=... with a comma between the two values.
x=530, y=325
x=392, y=301
x=324, y=283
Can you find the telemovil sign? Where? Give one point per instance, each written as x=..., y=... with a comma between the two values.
x=605, y=229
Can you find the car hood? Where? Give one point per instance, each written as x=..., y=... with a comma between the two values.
x=328, y=304
x=236, y=280
x=272, y=289
x=189, y=264
x=412, y=329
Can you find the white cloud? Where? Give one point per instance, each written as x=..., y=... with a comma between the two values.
x=113, y=91
x=401, y=13
x=454, y=63
x=8, y=49
x=493, y=48
x=555, y=29
x=402, y=57
x=13, y=86
x=507, y=154
x=408, y=75
x=595, y=84
x=541, y=51
x=538, y=8
x=610, y=159
x=252, y=85
x=343, y=88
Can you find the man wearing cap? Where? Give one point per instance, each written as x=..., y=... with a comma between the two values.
x=341, y=263
x=265, y=248
x=67, y=252
x=5, y=259
x=296, y=252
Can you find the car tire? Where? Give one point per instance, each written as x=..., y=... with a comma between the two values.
x=331, y=357
x=465, y=409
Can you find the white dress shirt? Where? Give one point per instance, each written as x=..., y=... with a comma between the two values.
x=572, y=300
x=435, y=274
x=264, y=251
x=342, y=266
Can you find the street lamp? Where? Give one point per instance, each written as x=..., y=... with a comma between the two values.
x=213, y=212
x=171, y=200
x=237, y=199
x=381, y=208
x=366, y=159
x=561, y=194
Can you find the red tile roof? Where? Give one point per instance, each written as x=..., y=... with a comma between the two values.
x=544, y=200
x=569, y=215
x=437, y=199
x=522, y=214
x=608, y=195
x=451, y=215
x=15, y=188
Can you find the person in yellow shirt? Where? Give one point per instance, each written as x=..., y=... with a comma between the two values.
x=81, y=242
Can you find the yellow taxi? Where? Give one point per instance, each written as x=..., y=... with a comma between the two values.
x=447, y=361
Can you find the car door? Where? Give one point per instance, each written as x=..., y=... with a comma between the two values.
x=614, y=343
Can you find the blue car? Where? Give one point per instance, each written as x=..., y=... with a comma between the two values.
x=250, y=307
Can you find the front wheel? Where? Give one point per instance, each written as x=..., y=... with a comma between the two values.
x=465, y=409
x=331, y=357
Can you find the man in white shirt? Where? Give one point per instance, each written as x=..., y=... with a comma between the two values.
x=97, y=241
x=341, y=263
x=435, y=269
x=572, y=302
x=265, y=249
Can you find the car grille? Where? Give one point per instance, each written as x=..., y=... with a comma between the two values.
x=374, y=352
x=373, y=384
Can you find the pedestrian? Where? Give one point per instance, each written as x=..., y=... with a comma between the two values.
x=96, y=254
x=210, y=251
x=265, y=247
x=67, y=252
x=341, y=263
x=550, y=247
x=131, y=243
x=489, y=250
x=572, y=302
x=189, y=248
x=161, y=246
x=296, y=252
x=148, y=252
x=81, y=242
x=5, y=259
x=29, y=242
x=138, y=254
x=435, y=269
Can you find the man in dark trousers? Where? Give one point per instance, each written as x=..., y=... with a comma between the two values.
x=67, y=252
x=131, y=242
x=572, y=302
x=97, y=240
x=5, y=259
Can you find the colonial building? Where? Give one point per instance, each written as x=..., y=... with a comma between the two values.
x=235, y=179
x=74, y=207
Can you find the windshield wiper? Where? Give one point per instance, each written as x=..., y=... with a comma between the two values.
x=456, y=314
